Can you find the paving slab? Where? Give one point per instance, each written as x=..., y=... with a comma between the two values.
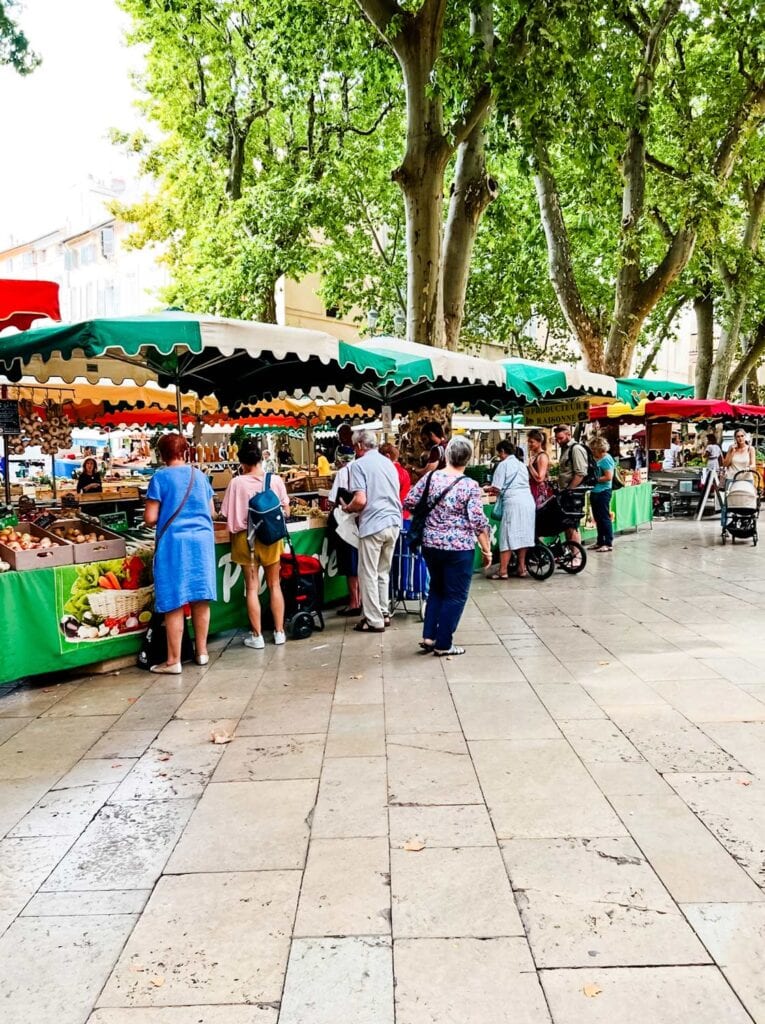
x=179, y=763
x=63, y=812
x=732, y=806
x=118, y=743
x=711, y=700
x=229, y=1014
x=734, y=933
x=93, y=698
x=467, y=980
x=500, y=710
x=744, y=741
x=419, y=704
x=269, y=713
x=352, y=798
x=445, y=893
x=539, y=788
x=670, y=742
x=10, y=726
x=97, y=771
x=596, y=902
x=26, y=862
x=568, y=701
x=598, y=741
x=53, y=968
x=633, y=995
x=259, y=758
x=431, y=768
x=356, y=730
x=208, y=939
x=451, y=825
x=126, y=846
x=46, y=747
x=346, y=889
x=86, y=904
x=247, y=826
x=339, y=979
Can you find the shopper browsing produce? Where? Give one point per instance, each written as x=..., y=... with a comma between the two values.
x=180, y=504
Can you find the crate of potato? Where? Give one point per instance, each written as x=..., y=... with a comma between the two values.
x=90, y=542
x=26, y=546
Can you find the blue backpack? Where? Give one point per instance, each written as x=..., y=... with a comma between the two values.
x=265, y=516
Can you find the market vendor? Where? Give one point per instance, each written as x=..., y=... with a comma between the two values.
x=89, y=480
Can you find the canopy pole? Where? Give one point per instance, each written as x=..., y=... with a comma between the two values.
x=179, y=405
x=7, y=470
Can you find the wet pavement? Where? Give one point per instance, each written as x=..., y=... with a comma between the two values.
x=567, y=824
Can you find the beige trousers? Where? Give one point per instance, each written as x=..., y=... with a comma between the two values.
x=375, y=557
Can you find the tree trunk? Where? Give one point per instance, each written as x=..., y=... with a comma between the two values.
x=472, y=191
x=751, y=358
x=704, y=308
x=560, y=264
x=268, y=305
x=752, y=387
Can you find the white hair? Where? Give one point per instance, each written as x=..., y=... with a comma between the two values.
x=459, y=451
x=364, y=439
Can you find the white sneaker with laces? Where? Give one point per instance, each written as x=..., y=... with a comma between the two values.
x=280, y=638
x=256, y=641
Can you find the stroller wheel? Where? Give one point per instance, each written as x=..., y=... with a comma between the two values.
x=572, y=558
x=540, y=563
x=301, y=626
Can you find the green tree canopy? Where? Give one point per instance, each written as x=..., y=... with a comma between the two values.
x=14, y=46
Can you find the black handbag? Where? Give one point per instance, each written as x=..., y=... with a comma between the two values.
x=154, y=644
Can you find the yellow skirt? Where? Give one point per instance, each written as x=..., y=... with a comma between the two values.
x=263, y=554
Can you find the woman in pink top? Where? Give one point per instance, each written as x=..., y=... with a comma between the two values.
x=234, y=509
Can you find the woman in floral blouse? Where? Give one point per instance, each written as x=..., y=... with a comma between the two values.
x=455, y=519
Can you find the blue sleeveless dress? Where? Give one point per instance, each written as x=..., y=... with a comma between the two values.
x=184, y=561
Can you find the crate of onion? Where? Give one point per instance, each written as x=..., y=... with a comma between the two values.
x=26, y=546
x=90, y=542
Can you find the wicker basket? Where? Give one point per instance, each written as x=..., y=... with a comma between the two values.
x=113, y=604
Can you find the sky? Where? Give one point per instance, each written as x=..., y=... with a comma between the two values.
x=54, y=122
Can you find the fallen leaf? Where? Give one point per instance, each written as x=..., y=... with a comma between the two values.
x=137, y=968
x=592, y=990
x=744, y=782
x=355, y=677
x=46, y=689
x=414, y=845
x=132, y=700
x=221, y=736
x=116, y=766
x=164, y=757
x=157, y=981
x=604, y=662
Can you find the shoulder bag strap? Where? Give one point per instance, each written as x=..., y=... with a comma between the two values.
x=267, y=482
x=185, y=498
x=443, y=493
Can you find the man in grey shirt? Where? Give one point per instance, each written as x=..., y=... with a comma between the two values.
x=375, y=486
x=572, y=469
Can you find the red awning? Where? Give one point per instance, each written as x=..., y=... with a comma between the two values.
x=702, y=409
x=23, y=302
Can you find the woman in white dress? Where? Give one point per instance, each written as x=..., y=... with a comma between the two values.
x=740, y=457
x=516, y=530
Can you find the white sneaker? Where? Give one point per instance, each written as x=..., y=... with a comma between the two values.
x=280, y=638
x=256, y=641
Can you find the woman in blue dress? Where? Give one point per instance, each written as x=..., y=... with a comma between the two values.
x=184, y=556
x=516, y=530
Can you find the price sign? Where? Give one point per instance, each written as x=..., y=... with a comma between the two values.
x=9, y=416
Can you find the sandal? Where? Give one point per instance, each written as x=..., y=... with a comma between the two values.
x=452, y=650
x=497, y=576
x=364, y=627
x=427, y=645
x=386, y=621
x=349, y=612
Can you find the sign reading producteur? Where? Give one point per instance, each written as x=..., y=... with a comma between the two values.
x=9, y=416
x=559, y=412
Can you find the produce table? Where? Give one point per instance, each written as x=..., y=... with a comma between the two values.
x=32, y=606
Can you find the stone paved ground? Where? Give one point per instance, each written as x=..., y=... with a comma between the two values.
x=587, y=784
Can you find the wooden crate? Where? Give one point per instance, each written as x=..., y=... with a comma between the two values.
x=91, y=551
x=59, y=554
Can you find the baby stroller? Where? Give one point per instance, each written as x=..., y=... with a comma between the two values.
x=302, y=582
x=740, y=508
x=564, y=510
